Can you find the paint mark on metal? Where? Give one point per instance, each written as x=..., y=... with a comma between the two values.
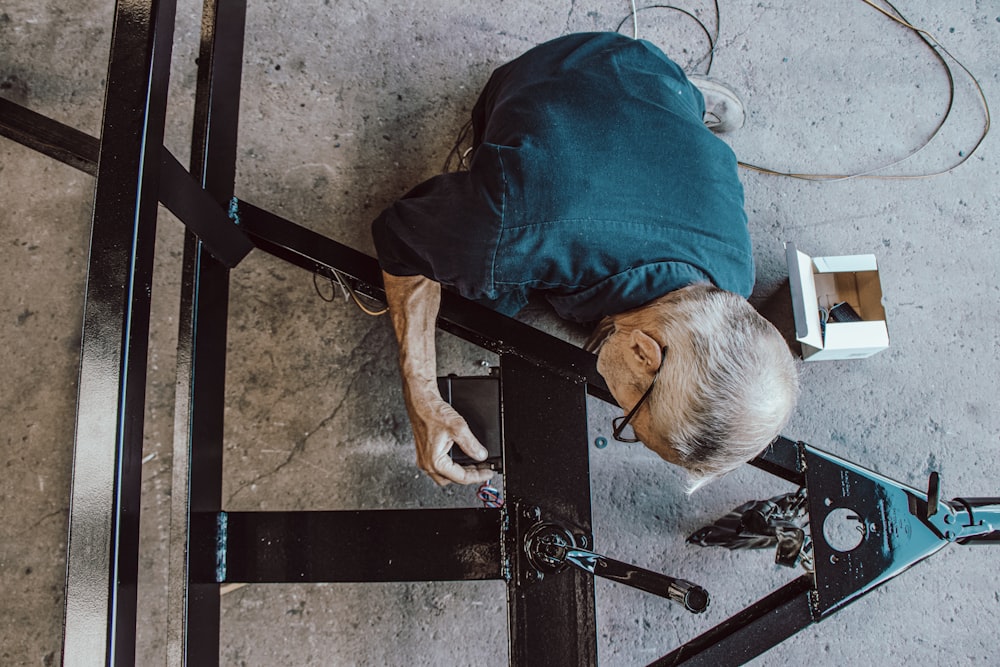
x=221, y=540
x=234, y=210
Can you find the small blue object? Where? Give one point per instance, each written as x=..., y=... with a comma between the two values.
x=601, y=442
x=234, y=210
x=222, y=531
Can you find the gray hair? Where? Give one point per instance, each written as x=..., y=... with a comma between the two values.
x=729, y=383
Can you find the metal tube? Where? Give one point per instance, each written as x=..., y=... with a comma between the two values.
x=691, y=596
x=193, y=607
x=983, y=517
x=102, y=547
x=458, y=544
x=750, y=632
x=551, y=621
x=61, y=142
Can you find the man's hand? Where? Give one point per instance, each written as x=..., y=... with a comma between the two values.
x=413, y=306
x=436, y=427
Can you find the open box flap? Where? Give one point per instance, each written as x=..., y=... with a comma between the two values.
x=800, y=279
x=845, y=264
x=856, y=335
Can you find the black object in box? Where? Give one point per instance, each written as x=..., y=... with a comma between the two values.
x=477, y=399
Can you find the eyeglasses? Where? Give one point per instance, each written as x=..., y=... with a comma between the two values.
x=620, y=423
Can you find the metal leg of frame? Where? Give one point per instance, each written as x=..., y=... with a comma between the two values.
x=193, y=616
x=60, y=142
x=547, y=474
x=102, y=552
x=742, y=637
x=359, y=546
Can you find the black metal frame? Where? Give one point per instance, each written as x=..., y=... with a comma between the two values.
x=544, y=383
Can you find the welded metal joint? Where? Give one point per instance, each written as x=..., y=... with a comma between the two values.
x=221, y=546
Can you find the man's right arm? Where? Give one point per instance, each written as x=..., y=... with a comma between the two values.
x=414, y=302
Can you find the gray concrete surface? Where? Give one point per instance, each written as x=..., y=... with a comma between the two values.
x=345, y=105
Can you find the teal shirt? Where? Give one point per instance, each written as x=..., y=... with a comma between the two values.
x=593, y=181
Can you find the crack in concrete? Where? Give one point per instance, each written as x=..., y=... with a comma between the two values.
x=730, y=41
x=42, y=519
x=360, y=349
x=569, y=15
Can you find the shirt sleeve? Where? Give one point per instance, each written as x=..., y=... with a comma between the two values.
x=446, y=229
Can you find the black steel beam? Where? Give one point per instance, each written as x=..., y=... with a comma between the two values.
x=355, y=546
x=178, y=190
x=307, y=249
x=49, y=137
x=203, y=216
x=465, y=319
x=784, y=459
x=546, y=466
x=745, y=635
x=193, y=614
x=102, y=552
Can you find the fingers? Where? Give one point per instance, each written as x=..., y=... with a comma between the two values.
x=443, y=470
x=447, y=471
x=434, y=440
x=469, y=444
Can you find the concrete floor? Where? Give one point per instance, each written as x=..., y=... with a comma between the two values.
x=346, y=104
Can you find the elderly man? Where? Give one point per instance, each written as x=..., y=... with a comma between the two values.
x=595, y=181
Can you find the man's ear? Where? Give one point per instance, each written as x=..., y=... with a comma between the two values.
x=646, y=353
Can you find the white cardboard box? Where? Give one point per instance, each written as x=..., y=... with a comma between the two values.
x=823, y=282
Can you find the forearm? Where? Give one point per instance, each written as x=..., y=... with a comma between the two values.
x=413, y=306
